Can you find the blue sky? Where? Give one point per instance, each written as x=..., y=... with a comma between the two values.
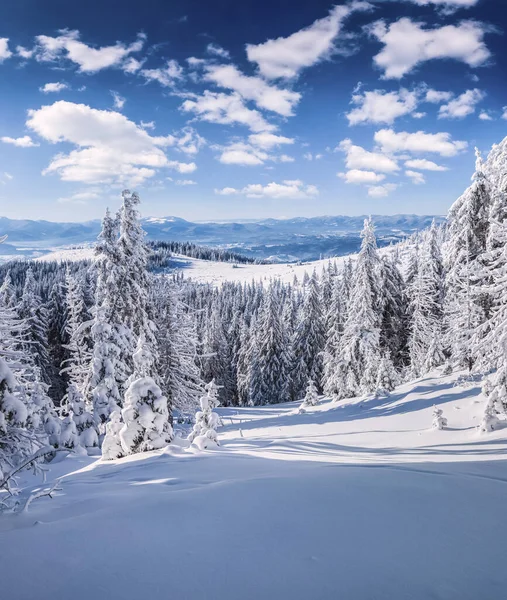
x=222, y=109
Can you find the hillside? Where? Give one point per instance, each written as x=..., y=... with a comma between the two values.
x=357, y=500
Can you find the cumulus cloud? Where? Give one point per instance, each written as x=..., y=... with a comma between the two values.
x=288, y=189
x=485, y=116
x=408, y=44
x=216, y=50
x=359, y=158
x=187, y=140
x=424, y=165
x=56, y=87
x=22, y=142
x=226, y=109
x=310, y=156
x=437, y=97
x=380, y=106
x=266, y=96
x=381, y=191
x=267, y=140
x=23, y=52
x=447, y=4
x=243, y=154
x=68, y=46
x=416, y=177
x=166, y=76
x=419, y=142
x=287, y=57
x=186, y=182
x=356, y=176
x=109, y=148
x=461, y=106
x=5, y=53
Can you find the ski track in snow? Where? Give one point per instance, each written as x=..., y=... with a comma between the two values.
x=358, y=500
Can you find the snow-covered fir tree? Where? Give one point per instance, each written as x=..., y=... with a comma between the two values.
x=204, y=434
x=360, y=348
x=439, y=421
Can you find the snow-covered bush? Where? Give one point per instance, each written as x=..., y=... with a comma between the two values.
x=387, y=376
x=490, y=421
x=85, y=425
x=145, y=416
x=111, y=446
x=69, y=437
x=204, y=434
x=439, y=421
x=312, y=395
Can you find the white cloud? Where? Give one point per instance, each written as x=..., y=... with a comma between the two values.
x=461, y=106
x=284, y=158
x=381, y=191
x=118, y=101
x=243, y=154
x=90, y=60
x=504, y=115
x=288, y=189
x=437, y=97
x=226, y=191
x=217, y=50
x=5, y=53
x=424, y=165
x=187, y=140
x=79, y=198
x=109, y=148
x=24, y=52
x=186, y=182
x=419, y=142
x=266, y=140
x=310, y=156
x=148, y=124
x=286, y=57
x=447, y=3
x=253, y=88
x=56, y=87
x=407, y=44
x=167, y=76
x=359, y=158
x=226, y=109
x=485, y=116
x=357, y=176
x=380, y=106
x=132, y=65
x=416, y=177
x=22, y=142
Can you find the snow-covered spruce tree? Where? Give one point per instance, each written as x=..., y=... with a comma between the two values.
x=335, y=320
x=145, y=410
x=135, y=283
x=111, y=446
x=178, y=350
x=467, y=307
x=204, y=434
x=312, y=395
x=85, y=425
x=439, y=421
x=21, y=431
x=387, y=376
x=425, y=326
x=77, y=365
x=394, y=325
x=33, y=311
x=269, y=368
x=309, y=339
x=360, y=350
x=111, y=340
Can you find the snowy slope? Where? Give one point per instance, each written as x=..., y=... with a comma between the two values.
x=359, y=501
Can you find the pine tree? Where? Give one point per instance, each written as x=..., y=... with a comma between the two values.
x=312, y=395
x=360, y=353
x=439, y=421
x=204, y=434
x=387, y=376
x=309, y=339
x=334, y=330
x=394, y=324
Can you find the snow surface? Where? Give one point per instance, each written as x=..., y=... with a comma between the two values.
x=361, y=500
x=206, y=271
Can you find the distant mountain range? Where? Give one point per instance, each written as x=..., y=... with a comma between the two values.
x=281, y=239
